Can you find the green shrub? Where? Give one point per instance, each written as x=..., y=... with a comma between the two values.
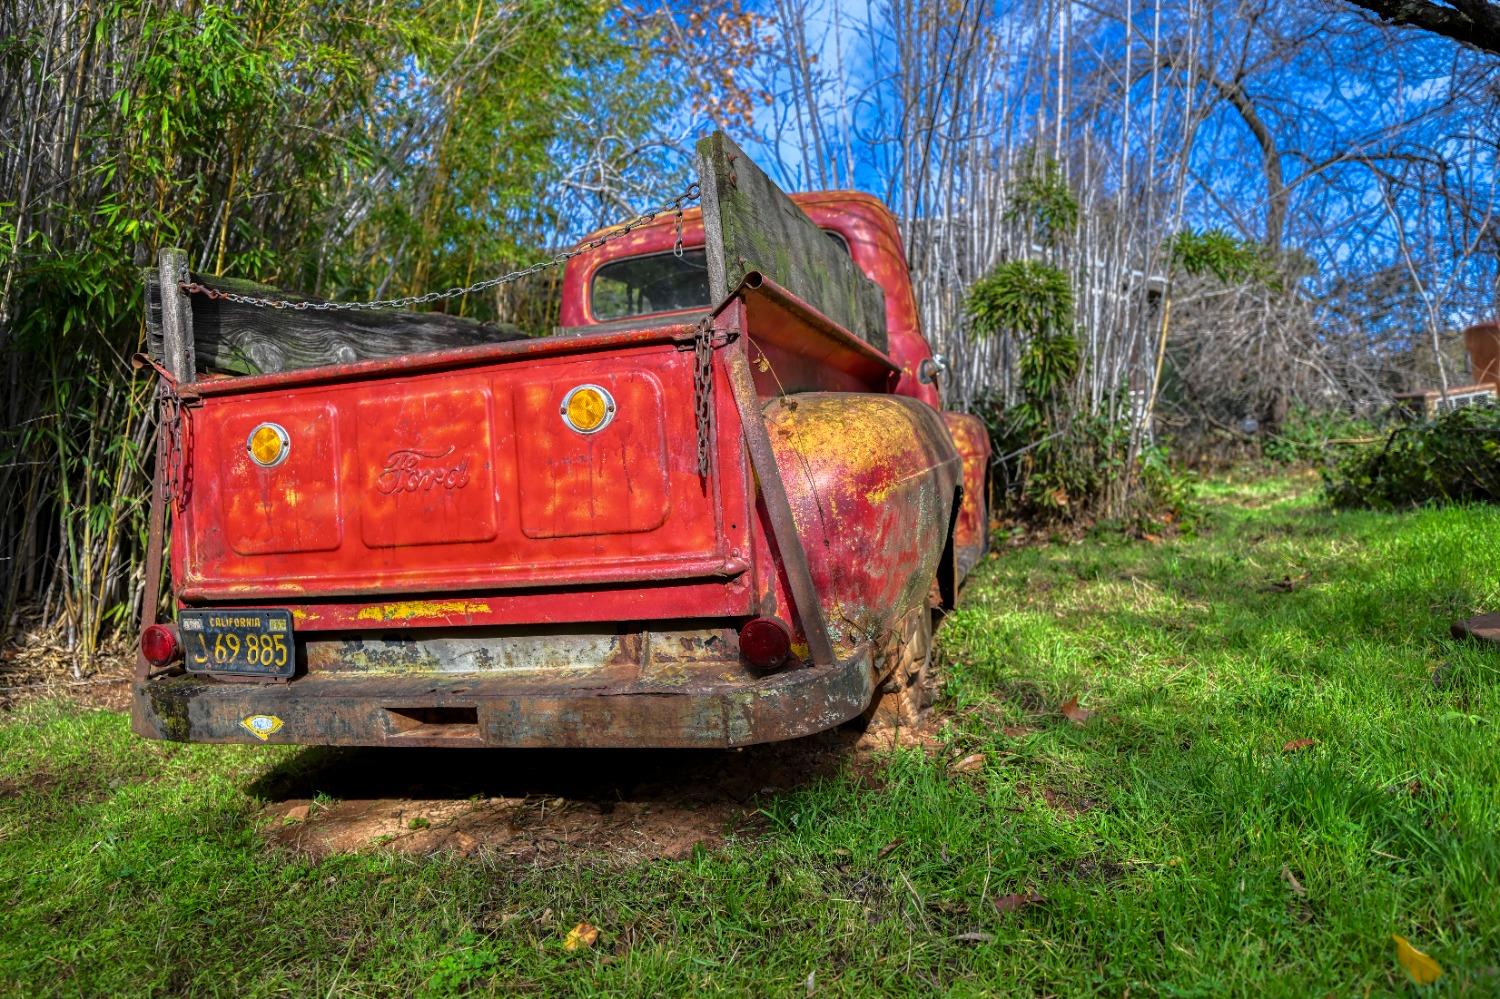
x=1453, y=458
x=1304, y=436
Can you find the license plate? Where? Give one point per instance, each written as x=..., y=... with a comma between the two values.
x=239, y=642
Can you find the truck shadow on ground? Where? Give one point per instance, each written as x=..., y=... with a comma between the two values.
x=544, y=806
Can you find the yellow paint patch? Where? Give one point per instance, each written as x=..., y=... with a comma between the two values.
x=406, y=610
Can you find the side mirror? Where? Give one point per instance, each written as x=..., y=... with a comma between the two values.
x=932, y=368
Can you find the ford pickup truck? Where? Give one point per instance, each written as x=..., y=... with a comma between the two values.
x=719, y=506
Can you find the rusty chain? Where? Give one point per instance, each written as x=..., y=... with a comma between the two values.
x=704, y=341
x=675, y=206
x=703, y=389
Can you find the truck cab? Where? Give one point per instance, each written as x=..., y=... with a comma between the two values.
x=718, y=506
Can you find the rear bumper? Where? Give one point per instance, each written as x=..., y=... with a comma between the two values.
x=708, y=706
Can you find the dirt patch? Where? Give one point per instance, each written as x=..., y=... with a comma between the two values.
x=14, y=787
x=552, y=806
x=1059, y=802
x=522, y=829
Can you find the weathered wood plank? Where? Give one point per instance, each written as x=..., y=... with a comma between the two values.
x=244, y=339
x=751, y=225
x=177, y=350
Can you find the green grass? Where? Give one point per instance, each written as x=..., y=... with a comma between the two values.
x=1160, y=832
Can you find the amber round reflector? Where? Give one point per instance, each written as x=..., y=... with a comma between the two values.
x=765, y=642
x=268, y=445
x=159, y=644
x=588, y=409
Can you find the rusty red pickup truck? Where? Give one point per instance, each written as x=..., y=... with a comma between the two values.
x=719, y=506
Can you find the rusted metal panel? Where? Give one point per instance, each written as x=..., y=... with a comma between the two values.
x=657, y=652
x=798, y=349
x=872, y=481
x=461, y=479
x=717, y=703
x=726, y=595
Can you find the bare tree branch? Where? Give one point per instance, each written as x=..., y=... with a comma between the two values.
x=1473, y=22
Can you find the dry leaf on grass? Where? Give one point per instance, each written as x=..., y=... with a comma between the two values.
x=1073, y=713
x=582, y=935
x=1015, y=903
x=1291, y=880
x=1422, y=969
x=889, y=848
x=968, y=765
x=1297, y=745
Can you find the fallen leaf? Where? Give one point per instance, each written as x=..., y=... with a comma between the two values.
x=297, y=813
x=1291, y=879
x=1297, y=745
x=812, y=982
x=885, y=851
x=1073, y=713
x=1154, y=539
x=1015, y=903
x=1422, y=969
x=968, y=765
x=974, y=938
x=582, y=935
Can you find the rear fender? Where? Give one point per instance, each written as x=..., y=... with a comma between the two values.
x=872, y=481
x=971, y=526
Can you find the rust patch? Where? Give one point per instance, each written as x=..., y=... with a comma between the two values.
x=407, y=609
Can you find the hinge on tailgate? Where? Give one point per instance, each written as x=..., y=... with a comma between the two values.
x=705, y=340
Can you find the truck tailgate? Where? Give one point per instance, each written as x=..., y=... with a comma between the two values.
x=457, y=475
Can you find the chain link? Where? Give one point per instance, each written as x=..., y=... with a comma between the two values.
x=177, y=423
x=675, y=206
x=703, y=389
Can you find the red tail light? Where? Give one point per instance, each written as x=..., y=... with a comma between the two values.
x=765, y=642
x=159, y=644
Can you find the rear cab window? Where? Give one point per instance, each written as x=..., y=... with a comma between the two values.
x=640, y=286
x=656, y=283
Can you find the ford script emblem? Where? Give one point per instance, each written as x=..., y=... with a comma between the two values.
x=410, y=470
